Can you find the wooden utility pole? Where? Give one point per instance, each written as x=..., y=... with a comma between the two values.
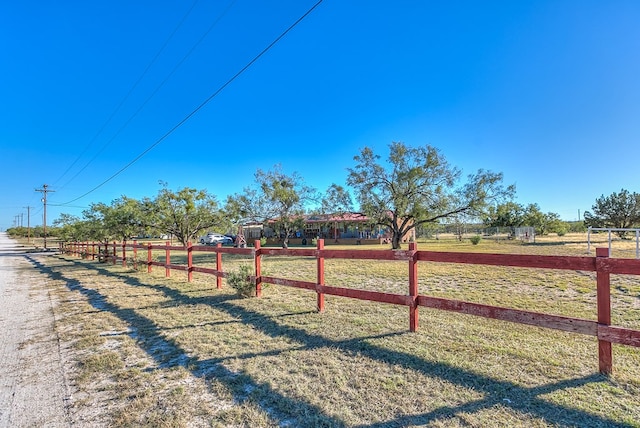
x=44, y=191
x=28, y=224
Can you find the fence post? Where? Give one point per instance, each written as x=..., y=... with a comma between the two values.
x=413, y=286
x=167, y=260
x=135, y=254
x=124, y=253
x=115, y=252
x=93, y=250
x=320, y=247
x=218, y=266
x=605, y=358
x=149, y=247
x=189, y=262
x=258, y=264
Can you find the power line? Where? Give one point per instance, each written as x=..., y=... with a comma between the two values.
x=68, y=206
x=126, y=97
x=205, y=102
x=155, y=91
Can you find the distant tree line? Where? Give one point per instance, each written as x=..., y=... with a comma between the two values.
x=412, y=188
x=511, y=214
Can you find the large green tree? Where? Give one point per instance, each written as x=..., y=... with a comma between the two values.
x=416, y=185
x=618, y=210
x=277, y=200
x=185, y=213
x=120, y=220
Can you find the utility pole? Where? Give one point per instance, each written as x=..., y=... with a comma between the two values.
x=44, y=191
x=28, y=224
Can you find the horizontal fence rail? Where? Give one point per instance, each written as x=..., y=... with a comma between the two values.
x=601, y=264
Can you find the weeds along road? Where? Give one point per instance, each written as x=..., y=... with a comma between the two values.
x=33, y=388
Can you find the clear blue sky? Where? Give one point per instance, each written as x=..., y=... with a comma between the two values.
x=546, y=92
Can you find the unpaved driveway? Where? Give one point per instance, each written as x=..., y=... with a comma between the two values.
x=33, y=388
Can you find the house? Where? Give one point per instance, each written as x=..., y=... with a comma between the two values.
x=351, y=227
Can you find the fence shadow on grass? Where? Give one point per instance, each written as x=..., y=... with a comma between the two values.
x=167, y=354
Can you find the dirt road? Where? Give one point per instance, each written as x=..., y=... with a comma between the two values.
x=33, y=388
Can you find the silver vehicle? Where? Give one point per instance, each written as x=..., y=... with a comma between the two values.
x=215, y=238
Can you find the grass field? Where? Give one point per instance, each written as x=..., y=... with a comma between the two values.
x=153, y=351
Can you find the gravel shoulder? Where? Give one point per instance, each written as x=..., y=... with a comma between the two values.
x=33, y=389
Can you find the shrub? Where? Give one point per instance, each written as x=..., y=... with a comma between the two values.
x=475, y=240
x=241, y=281
x=139, y=263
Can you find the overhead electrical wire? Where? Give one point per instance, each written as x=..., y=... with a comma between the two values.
x=201, y=105
x=155, y=91
x=124, y=99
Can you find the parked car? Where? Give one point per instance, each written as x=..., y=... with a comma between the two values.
x=215, y=238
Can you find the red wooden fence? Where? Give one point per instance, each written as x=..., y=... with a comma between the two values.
x=601, y=264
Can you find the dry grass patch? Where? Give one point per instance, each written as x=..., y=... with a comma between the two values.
x=165, y=352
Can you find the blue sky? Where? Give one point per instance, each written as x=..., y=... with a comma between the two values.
x=546, y=92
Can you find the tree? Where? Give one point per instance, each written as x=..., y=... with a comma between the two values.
x=511, y=214
x=121, y=220
x=184, y=213
x=335, y=203
x=618, y=210
x=417, y=186
x=555, y=225
x=70, y=228
x=576, y=226
x=543, y=223
x=508, y=214
x=278, y=200
x=336, y=200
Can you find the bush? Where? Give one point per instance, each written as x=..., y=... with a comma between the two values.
x=475, y=240
x=241, y=281
x=139, y=263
